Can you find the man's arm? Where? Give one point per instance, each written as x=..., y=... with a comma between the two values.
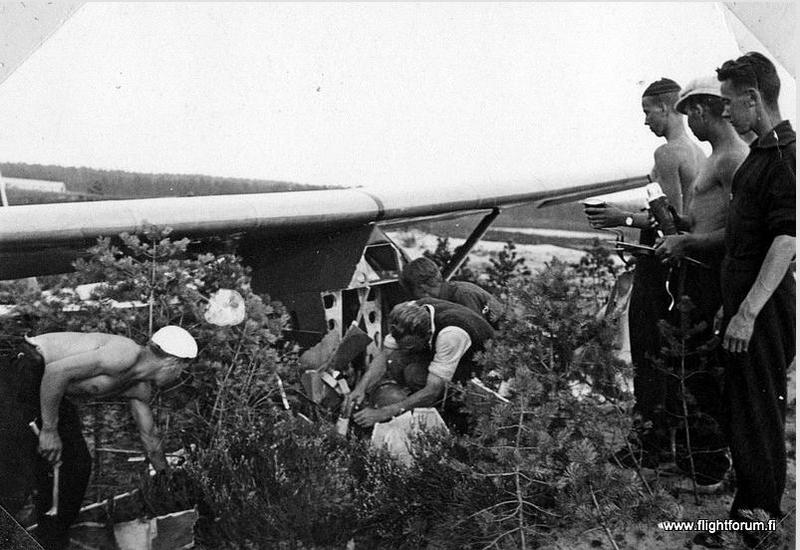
x=679, y=246
x=55, y=380
x=776, y=263
x=427, y=396
x=151, y=439
x=375, y=372
x=610, y=216
x=668, y=173
x=451, y=345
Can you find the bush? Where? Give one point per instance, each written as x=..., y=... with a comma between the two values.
x=266, y=477
x=234, y=375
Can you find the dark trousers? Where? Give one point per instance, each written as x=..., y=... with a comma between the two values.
x=698, y=298
x=20, y=464
x=648, y=305
x=755, y=399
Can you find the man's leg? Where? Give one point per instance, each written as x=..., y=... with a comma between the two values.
x=17, y=442
x=755, y=394
x=75, y=469
x=650, y=382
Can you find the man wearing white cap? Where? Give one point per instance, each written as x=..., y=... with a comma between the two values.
x=51, y=368
x=708, y=201
x=707, y=214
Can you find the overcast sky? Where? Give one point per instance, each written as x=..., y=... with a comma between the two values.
x=358, y=94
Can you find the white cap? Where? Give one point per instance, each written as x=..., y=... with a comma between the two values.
x=175, y=341
x=705, y=85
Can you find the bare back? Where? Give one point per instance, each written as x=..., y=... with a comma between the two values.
x=94, y=364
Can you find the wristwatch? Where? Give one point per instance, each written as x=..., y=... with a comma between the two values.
x=629, y=221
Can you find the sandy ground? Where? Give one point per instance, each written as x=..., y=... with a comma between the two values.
x=536, y=255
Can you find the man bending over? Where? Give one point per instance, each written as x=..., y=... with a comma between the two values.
x=45, y=373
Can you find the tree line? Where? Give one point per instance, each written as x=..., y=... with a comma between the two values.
x=85, y=183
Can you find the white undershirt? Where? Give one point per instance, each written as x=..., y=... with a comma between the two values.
x=451, y=345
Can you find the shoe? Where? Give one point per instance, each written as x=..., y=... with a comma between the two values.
x=708, y=539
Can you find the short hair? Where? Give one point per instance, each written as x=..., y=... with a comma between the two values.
x=410, y=319
x=753, y=70
x=664, y=91
x=713, y=103
x=420, y=271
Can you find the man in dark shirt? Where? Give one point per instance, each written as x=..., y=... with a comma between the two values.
x=757, y=286
x=422, y=278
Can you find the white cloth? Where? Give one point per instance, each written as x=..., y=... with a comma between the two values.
x=451, y=345
x=395, y=435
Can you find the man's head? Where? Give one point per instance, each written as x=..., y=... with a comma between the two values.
x=410, y=326
x=172, y=346
x=701, y=102
x=658, y=102
x=750, y=86
x=422, y=278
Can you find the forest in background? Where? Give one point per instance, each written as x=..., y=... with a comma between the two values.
x=91, y=184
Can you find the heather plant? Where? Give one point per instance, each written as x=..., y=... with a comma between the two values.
x=264, y=476
x=141, y=284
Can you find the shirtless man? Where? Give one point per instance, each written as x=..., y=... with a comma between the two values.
x=677, y=163
x=706, y=218
x=707, y=207
x=49, y=369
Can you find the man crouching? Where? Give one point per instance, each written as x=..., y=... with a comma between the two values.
x=48, y=370
x=431, y=343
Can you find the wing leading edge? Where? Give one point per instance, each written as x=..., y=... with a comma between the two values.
x=31, y=231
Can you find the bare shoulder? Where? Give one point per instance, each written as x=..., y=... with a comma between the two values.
x=679, y=151
x=95, y=348
x=117, y=351
x=669, y=156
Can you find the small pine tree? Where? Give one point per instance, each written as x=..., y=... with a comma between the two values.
x=504, y=268
x=442, y=256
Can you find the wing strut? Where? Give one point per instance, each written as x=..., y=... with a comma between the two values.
x=463, y=251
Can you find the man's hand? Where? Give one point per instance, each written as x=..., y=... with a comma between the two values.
x=50, y=445
x=368, y=417
x=738, y=333
x=672, y=247
x=605, y=216
x=354, y=398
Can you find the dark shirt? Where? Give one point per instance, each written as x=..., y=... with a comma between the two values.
x=449, y=314
x=762, y=198
x=473, y=297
